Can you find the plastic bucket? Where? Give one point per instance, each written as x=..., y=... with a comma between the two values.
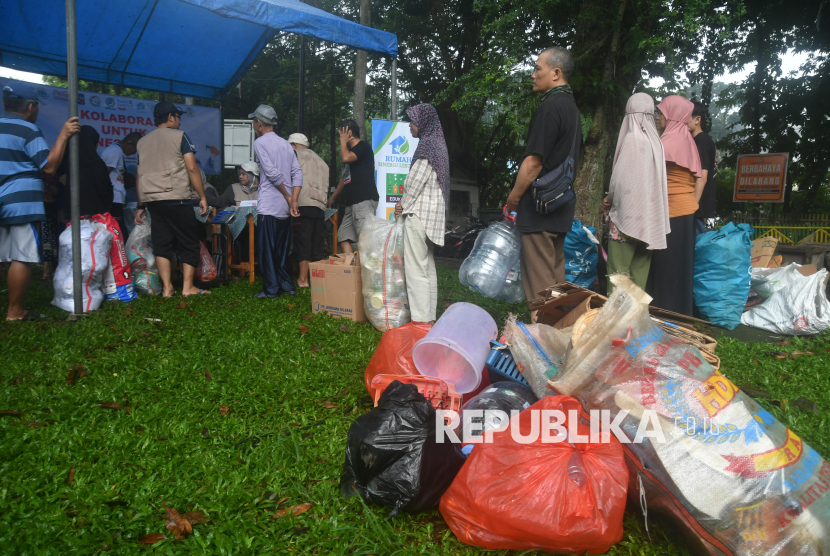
x=457, y=347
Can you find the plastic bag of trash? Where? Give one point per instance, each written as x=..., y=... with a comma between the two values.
x=556, y=496
x=393, y=355
x=581, y=255
x=722, y=273
x=382, y=273
x=143, y=266
x=96, y=243
x=767, y=281
x=503, y=396
x=538, y=350
x=762, y=493
x=392, y=456
x=799, y=308
x=206, y=271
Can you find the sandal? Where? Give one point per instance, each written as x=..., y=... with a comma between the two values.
x=30, y=315
x=201, y=292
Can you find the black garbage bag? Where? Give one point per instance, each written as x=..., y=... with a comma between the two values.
x=392, y=457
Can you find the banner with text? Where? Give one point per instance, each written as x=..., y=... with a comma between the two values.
x=114, y=117
x=393, y=145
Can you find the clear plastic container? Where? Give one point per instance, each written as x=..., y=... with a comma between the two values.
x=495, y=253
x=457, y=346
x=513, y=291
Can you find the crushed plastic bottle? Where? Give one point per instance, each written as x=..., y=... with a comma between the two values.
x=576, y=469
x=495, y=253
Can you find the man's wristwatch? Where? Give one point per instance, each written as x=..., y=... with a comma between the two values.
x=142, y=206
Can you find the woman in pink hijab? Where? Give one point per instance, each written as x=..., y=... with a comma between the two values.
x=672, y=269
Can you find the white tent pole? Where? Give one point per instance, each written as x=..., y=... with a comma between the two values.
x=74, y=154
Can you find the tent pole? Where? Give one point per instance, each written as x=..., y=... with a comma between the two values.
x=394, y=90
x=301, y=111
x=74, y=156
x=222, y=146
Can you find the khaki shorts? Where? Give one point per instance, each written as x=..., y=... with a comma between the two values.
x=353, y=220
x=19, y=242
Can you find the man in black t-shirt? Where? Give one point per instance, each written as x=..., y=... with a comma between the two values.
x=555, y=133
x=709, y=163
x=358, y=179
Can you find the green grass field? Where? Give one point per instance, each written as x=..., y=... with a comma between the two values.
x=278, y=442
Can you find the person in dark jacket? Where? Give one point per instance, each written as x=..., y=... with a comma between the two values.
x=95, y=184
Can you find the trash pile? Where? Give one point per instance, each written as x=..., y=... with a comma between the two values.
x=384, y=282
x=536, y=441
x=788, y=300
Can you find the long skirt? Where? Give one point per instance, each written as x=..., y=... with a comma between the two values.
x=672, y=276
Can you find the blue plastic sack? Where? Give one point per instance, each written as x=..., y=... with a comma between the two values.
x=722, y=273
x=581, y=255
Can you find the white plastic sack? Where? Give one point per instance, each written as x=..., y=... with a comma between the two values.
x=96, y=243
x=767, y=281
x=800, y=308
x=143, y=266
x=382, y=273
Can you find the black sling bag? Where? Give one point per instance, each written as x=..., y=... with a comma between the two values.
x=555, y=188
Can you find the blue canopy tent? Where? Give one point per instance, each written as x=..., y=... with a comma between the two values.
x=197, y=48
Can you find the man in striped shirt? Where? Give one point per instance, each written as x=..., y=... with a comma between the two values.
x=24, y=153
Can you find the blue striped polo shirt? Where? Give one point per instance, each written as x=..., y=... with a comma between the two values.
x=23, y=152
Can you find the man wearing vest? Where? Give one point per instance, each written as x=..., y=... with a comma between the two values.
x=309, y=229
x=167, y=176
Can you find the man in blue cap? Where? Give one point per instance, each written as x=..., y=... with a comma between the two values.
x=24, y=153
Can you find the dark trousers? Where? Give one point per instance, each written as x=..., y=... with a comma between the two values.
x=175, y=229
x=272, y=246
x=672, y=277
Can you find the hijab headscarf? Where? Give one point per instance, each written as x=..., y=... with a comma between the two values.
x=678, y=143
x=95, y=185
x=638, y=192
x=253, y=183
x=431, y=143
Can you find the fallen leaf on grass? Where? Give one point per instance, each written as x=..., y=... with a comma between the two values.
x=35, y=424
x=293, y=510
x=17, y=379
x=785, y=343
x=300, y=531
x=205, y=432
x=318, y=347
x=779, y=355
x=75, y=373
x=195, y=518
x=114, y=405
x=328, y=405
x=145, y=334
x=796, y=353
x=303, y=329
x=308, y=435
x=70, y=477
x=343, y=393
x=307, y=317
x=191, y=313
x=176, y=524
x=208, y=376
x=181, y=305
x=11, y=413
x=152, y=538
x=290, y=306
x=223, y=409
x=344, y=328
x=127, y=313
x=756, y=361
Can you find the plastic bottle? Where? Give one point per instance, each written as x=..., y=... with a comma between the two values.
x=496, y=251
x=576, y=469
x=513, y=291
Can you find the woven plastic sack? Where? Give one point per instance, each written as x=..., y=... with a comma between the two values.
x=118, y=282
x=538, y=350
x=96, y=243
x=206, y=271
x=722, y=273
x=767, y=281
x=393, y=355
x=522, y=497
x=384, y=282
x=799, y=308
x=392, y=456
x=143, y=266
x=731, y=476
x=581, y=255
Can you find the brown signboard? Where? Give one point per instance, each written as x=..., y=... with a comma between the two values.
x=761, y=177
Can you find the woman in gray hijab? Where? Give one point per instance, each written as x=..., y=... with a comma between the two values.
x=245, y=190
x=637, y=205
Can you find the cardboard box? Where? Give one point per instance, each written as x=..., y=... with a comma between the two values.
x=763, y=249
x=336, y=288
x=561, y=305
x=807, y=269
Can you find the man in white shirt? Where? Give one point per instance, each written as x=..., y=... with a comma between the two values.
x=113, y=157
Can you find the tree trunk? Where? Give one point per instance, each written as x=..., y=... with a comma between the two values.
x=360, y=73
x=596, y=154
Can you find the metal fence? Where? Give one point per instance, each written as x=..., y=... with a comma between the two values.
x=814, y=228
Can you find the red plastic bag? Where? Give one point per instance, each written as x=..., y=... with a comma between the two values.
x=521, y=496
x=207, y=268
x=118, y=254
x=394, y=353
